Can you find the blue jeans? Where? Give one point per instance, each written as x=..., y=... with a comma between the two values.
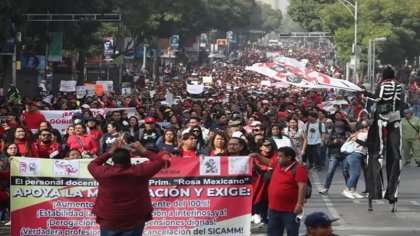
x=355, y=163
x=278, y=221
x=138, y=231
x=332, y=166
x=323, y=156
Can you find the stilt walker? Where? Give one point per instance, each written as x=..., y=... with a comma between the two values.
x=384, y=140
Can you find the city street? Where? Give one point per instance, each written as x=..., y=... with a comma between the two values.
x=355, y=219
x=354, y=216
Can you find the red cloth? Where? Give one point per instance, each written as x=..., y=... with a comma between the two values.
x=33, y=119
x=123, y=199
x=89, y=144
x=97, y=134
x=259, y=186
x=32, y=150
x=44, y=151
x=189, y=153
x=283, y=189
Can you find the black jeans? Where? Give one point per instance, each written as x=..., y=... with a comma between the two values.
x=313, y=155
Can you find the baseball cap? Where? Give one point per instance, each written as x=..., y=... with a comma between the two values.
x=86, y=106
x=317, y=219
x=149, y=119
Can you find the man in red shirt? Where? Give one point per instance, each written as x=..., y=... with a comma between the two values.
x=123, y=204
x=286, y=192
x=33, y=117
x=47, y=149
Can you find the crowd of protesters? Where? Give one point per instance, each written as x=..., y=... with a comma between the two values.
x=234, y=116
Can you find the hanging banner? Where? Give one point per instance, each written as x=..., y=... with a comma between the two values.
x=61, y=119
x=55, y=51
x=174, y=42
x=68, y=85
x=196, y=196
x=108, y=48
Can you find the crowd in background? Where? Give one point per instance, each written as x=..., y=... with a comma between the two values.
x=234, y=116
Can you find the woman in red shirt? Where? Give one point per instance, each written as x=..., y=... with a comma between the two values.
x=83, y=142
x=188, y=145
x=261, y=178
x=23, y=139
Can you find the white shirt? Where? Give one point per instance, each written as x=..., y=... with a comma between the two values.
x=314, y=137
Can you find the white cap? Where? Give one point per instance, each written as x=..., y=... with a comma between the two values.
x=85, y=106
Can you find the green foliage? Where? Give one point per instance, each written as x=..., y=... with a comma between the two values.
x=397, y=20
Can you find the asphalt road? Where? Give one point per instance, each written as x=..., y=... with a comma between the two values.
x=354, y=217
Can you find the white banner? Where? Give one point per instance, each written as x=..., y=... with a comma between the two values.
x=62, y=119
x=68, y=85
x=195, y=89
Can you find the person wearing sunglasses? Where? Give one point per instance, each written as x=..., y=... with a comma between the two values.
x=196, y=130
x=47, y=148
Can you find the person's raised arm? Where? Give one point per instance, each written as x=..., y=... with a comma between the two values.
x=263, y=160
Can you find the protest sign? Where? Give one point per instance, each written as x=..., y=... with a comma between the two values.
x=195, y=89
x=207, y=80
x=196, y=196
x=68, y=85
x=60, y=119
x=108, y=85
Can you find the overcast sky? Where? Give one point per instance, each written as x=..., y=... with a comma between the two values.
x=283, y=5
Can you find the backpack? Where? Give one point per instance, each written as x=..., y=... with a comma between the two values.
x=308, y=193
x=319, y=127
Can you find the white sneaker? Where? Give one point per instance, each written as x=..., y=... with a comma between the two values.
x=261, y=225
x=8, y=223
x=257, y=219
x=252, y=218
x=348, y=194
x=357, y=195
x=324, y=191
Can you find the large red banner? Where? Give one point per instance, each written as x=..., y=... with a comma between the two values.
x=203, y=196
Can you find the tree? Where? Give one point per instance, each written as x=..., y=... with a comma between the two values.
x=306, y=13
x=397, y=20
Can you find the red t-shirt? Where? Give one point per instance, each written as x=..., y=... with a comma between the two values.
x=33, y=119
x=189, y=153
x=283, y=189
x=44, y=151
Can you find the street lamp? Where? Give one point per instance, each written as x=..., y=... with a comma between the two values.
x=353, y=8
x=372, y=59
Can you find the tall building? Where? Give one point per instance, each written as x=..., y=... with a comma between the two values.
x=277, y=4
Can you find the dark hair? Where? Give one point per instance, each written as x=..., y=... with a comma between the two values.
x=48, y=124
x=313, y=114
x=186, y=136
x=170, y=130
x=288, y=151
x=6, y=146
x=198, y=119
x=121, y=156
x=115, y=125
x=220, y=133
